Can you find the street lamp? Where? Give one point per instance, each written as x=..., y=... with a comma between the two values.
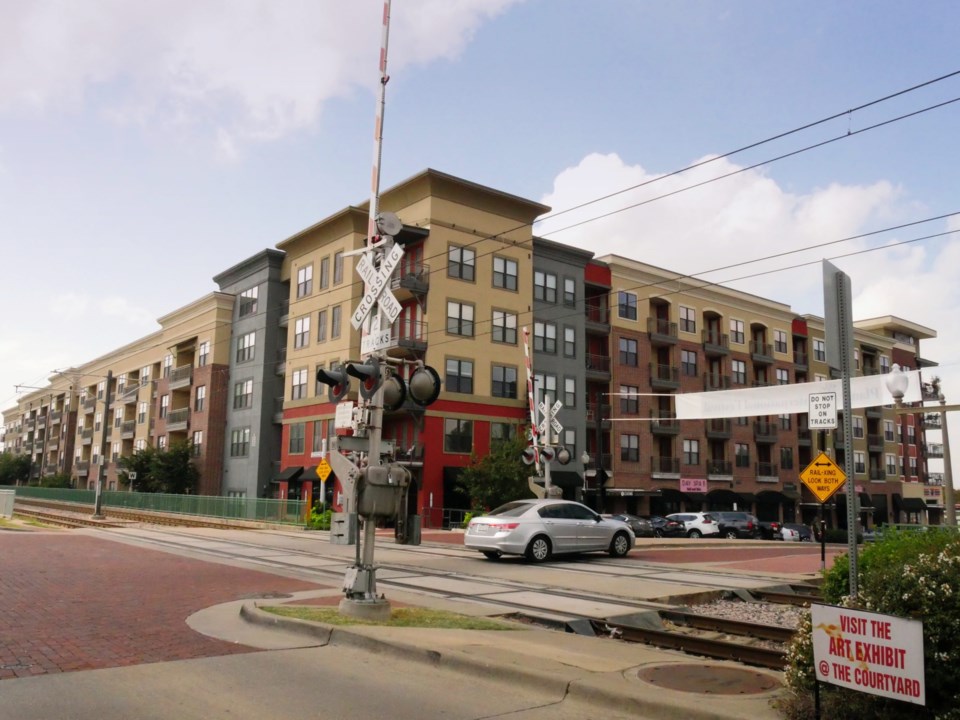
x=585, y=459
x=896, y=383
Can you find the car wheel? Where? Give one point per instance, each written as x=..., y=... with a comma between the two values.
x=491, y=554
x=731, y=535
x=620, y=545
x=695, y=534
x=539, y=549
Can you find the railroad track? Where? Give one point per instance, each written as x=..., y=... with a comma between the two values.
x=61, y=519
x=71, y=515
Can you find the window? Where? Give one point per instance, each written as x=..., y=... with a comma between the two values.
x=461, y=263
x=115, y=452
x=144, y=375
x=856, y=358
x=884, y=364
x=139, y=444
x=243, y=394
x=569, y=342
x=691, y=452
x=321, y=326
x=459, y=377
x=504, y=382
x=545, y=337
x=888, y=431
x=913, y=466
x=301, y=332
x=118, y=417
x=325, y=273
x=296, y=443
x=688, y=319
x=891, y=464
x=569, y=292
x=742, y=455
x=196, y=446
x=164, y=408
x=141, y=414
x=859, y=463
x=786, y=458
x=627, y=305
x=304, y=281
x=248, y=301
x=338, y=268
x=785, y=422
x=688, y=363
x=316, y=444
x=501, y=432
x=628, y=352
x=739, y=368
x=246, y=345
x=570, y=392
x=544, y=286
x=203, y=353
x=780, y=341
x=239, y=442
x=162, y=442
x=200, y=398
x=629, y=400
x=299, y=384
x=457, y=435
x=544, y=384
x=505, y=273
x=736, y=331
x=911, y=434
x=504, y=327
x=857, y=426
x=820, y=350
x=630, y=448
x=167, y=369
x=459, y=319
x=570, y=442
x=783, y=376
x=335, y=313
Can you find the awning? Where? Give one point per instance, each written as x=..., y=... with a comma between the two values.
x=866, y=502
x=779, y=496
x=290, y=473
x=310, y=473
x=913, y=505
x=879, y=501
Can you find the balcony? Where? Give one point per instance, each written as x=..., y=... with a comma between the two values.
x=873, y=413
x=717, y=428
x=56, y=416
x=597, y=317
x=767, y=472
x=53, y=442
x=664, y=423
x=934, y=478
x=83, y=467
x=410, y=280
x=932, y=420
x=715, y=343
x=800, y=360
x=408, y=338
x=761, y=352
x=181, y=377
x=877, y=474
x=598, y=367
x=280, y=366
x=592, y=415
x=30, y=424
x=933, y=450
x=715, y=381
x=804, y=437
x=89, y=405
x=278, y=410
x=719, y=469
x=128, y=429
x=874, y=442
x=41, y=422
x=284, y=320
x=664, y=377
x=178, y=420
x=86, y=436
x=50, y=468
x=665, y=467
x=765, y=431
x=662, y=332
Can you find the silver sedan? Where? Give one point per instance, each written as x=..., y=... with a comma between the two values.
x=539, y=529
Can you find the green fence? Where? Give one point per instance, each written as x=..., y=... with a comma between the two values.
x=252, y=509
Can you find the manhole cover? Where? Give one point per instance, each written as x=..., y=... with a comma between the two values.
x=709, y=679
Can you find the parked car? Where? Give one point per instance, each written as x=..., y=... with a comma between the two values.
x=796, y=532
x=696, y=524
x=665, y=528
x=770, y=530
x=540, y=529
x=737, y=524
x=641, y=526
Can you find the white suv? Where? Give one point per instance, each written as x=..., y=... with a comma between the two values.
x=696, y=524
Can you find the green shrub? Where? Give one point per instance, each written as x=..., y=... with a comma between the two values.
x=319, y=520
x=839, y=535
x=904, y=574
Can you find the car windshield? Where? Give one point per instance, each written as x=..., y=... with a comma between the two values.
x=512, y=509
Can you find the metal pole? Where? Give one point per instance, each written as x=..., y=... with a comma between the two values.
x=844, y=304
x=949, y=501
x=548, y=431
x=102, y=469
x=601, y=474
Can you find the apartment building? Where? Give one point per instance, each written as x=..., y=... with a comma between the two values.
x=43, y=426
x=464, y=285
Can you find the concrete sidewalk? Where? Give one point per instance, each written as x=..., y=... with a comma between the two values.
x=636, y=679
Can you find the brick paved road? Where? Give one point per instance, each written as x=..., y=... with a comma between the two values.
x=75, y=602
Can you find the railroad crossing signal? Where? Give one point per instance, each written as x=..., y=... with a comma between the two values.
x=823, y=476
x=377, y=291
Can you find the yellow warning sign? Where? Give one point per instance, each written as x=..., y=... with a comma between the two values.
x=823, y=476
x=323, y=470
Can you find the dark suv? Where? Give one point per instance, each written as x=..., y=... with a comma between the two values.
x=737, y=524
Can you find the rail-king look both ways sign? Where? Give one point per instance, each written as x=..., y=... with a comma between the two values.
x=869, y=652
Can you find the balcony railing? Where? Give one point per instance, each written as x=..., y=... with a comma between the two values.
x=717, y=428
x=715, y=342
x=761, y=352
x=932, y=420
x=55, y=416
x=878, y=473
x=414, y=277
x=719, y=467
x=598, y=364
x=665, y=465
x=800, y=359
x=592, y=412
x=597, y=312
x=765, y=431
x=664, y=377
x=664, y=422
x=177, y=419
x=662, y=330
x=875, y=441
x=933, y=450
x=715, y=381
x=181, y=376
x=766, y=470
x=409, y=335
x=128, y=428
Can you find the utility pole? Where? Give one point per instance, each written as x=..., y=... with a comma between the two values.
x=102, y=468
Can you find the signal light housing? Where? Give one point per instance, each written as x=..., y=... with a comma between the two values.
x=394, y=393
x=424, y=386
x=337, y=379
x=369, y=375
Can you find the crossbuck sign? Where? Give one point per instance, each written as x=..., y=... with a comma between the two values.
x=377, y=293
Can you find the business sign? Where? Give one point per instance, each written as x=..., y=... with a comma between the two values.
x=822, y=413
x=823, y=476
x=693, y=485
x=865, y=651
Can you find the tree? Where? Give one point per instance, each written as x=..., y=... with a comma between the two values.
x=141, y=462
x=162, y=471
x=58, y=480
x=497, y=478
x=14, y=469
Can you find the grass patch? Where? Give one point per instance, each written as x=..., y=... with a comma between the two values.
x=400, y=617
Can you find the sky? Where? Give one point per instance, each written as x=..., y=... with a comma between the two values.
x=187, y=135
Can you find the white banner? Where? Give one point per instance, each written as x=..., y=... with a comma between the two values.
x=867, y=391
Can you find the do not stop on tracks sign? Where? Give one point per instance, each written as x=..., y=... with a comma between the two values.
x=823, y=476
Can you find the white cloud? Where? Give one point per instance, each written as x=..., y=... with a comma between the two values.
x=251, y=69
